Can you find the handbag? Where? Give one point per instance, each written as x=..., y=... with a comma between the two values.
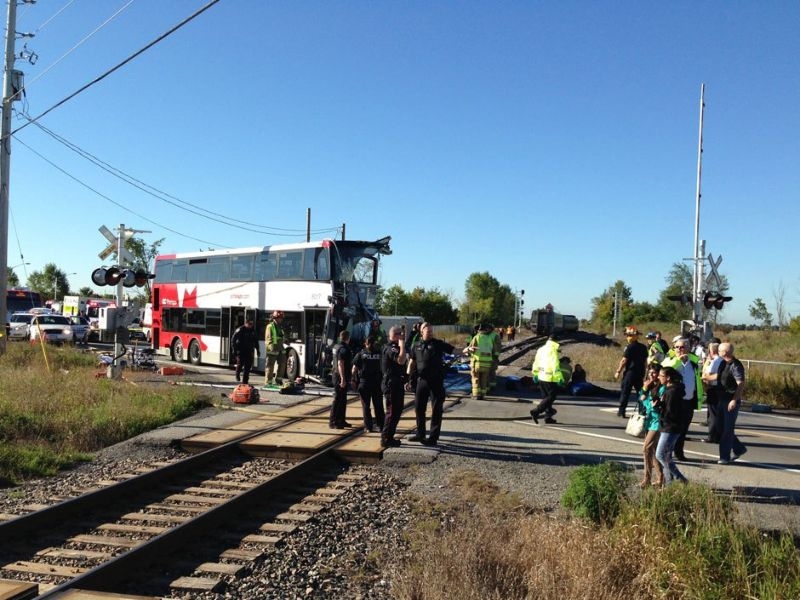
x=635, y=426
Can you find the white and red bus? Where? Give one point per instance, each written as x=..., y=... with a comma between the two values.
x=322, y=287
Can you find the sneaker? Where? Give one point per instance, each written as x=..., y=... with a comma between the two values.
x=535, y=416
x=722, y=461
x=550, y=420
x=736, y=456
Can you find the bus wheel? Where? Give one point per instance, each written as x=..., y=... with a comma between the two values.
x=176, y=350
x=292, y=364
x=194, y=353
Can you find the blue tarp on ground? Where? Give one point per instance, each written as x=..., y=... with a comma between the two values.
x=457, y=381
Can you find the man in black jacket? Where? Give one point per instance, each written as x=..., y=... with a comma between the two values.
x=243, y=342
x=426, y=369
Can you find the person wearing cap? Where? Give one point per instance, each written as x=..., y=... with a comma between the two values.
x=689, y=367
x=547, y=370
x=631, y=367
x=273, y=340
x=481, y=351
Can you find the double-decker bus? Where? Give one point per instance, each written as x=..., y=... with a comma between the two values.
x=322, y=287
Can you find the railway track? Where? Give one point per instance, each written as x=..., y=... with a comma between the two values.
x=182, y=527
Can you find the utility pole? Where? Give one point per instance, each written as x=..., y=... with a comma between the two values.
x=5, y=160
x=698, y=251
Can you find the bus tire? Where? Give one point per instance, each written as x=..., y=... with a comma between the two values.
x=176, y=350
x=292, y=364
x=195, y=354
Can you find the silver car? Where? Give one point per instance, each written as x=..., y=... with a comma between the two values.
x=18, y=326
x=80, y=328
x=51, y=328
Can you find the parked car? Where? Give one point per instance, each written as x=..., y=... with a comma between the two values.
x=80, y=329
x=18, y=326
x=51, y=328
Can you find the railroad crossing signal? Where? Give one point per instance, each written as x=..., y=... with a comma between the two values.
x=114, y=245
x=715, y=300
x=713, y=280
x=114, y=275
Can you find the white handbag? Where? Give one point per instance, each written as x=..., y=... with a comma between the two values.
x=635, y=426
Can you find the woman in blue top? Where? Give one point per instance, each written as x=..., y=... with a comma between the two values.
x=671, y=407
x=652, y=422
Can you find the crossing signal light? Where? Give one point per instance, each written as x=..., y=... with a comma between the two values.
x=715, y=300
x=682, y=298
x=115, y=275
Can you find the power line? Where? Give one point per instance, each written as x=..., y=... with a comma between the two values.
x=75, y=47
x=122, y=64
x=169, y=198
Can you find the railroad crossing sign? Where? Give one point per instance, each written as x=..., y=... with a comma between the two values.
x=113, y=246
x=713, y=281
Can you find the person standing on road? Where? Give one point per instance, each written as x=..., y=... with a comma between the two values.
x=393, y=368
x=367, y=377
x=652, y=423
x=273, y=339
x=671, y=407
x=731, y=393
x=710, y=373
x=243, y=342
x=631, y=367
x=426, y=374
x=481, y=351
x=342, y=364
x=547, y=371
x=688, y=365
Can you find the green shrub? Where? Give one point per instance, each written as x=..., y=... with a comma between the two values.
x=596, y=492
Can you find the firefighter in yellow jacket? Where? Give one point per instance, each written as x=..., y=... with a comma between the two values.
x=546, y=369
x=481, y=351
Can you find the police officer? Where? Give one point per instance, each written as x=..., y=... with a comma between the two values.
x=243, y=342
x=273, y=339
x=367, y=377
x=393, y=369
x=342, y=363
x=426, y=371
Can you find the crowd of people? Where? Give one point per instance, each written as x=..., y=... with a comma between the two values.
x=669, y=383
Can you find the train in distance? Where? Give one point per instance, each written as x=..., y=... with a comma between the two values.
x=545, y=321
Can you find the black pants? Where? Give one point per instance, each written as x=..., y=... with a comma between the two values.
x=244, y=364
x=433, y=389
x=549, y=393
x=339, y=406
x=688, y=415
x=629, y=382
x=394, y=396
x=370, y=393
x=714, y=418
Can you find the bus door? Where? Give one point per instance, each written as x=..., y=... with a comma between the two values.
x=233, y=317
x=315, y=339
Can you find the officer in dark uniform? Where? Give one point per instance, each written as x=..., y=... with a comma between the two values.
x=367, y=376
x=393, y=369
x=426, y=369
x=243, y=342
x=342, y=364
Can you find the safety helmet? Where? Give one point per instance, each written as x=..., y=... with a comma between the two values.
x=277, y=314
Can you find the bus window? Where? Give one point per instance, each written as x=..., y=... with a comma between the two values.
x=267, y=267
x=290, y=265
x=242, y=267
x=219, y=269
x=197, y=270
x=315, y=265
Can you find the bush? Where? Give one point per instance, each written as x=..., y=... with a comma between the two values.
x=596, y=492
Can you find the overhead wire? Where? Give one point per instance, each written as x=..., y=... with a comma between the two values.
x=98, y=79
x=58, y=12
x=75, y=47
x=173, y=200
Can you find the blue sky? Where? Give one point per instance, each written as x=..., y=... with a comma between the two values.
x=553, y=144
